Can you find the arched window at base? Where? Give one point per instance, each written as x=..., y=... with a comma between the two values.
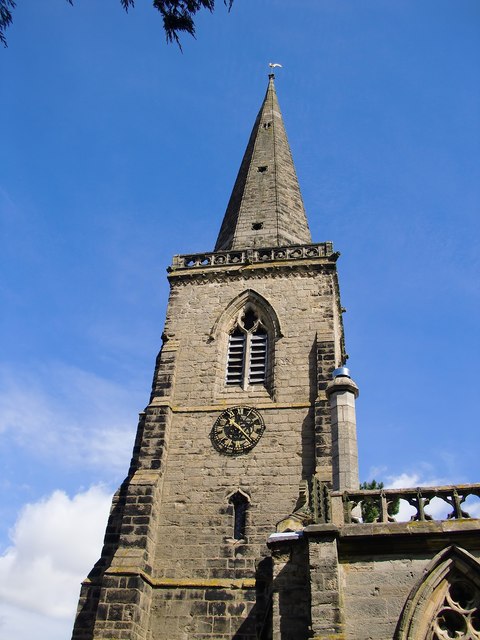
x=459, y=614
x=445, y=604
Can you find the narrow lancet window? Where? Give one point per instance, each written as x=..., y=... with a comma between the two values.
x=236, y=357
x=240, y=504
x=257, y=370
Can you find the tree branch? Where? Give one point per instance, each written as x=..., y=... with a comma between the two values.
x=178, y=15
x=5, y=18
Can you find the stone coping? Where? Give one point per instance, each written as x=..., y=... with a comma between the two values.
x=415, y=527
x=386, y=539
x=225, y=403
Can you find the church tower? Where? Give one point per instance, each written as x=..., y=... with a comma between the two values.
x=242, y=414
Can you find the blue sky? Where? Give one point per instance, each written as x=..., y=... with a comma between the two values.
x=118, y=151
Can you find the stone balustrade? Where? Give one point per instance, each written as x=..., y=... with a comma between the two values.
x=380, y=505
x=249, y=256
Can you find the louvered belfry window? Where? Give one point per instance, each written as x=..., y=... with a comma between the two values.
x=236, y=357
x=257, y=369
x=247, y=351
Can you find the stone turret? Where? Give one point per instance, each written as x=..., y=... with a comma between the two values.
x=342, y=393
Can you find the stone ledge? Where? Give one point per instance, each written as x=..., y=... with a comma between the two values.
x=407, y=537
x=157, y=402
x=261, y=270
x=186, y=583
x=179, y=583
x=415, y=527
x=391, y=537
x=321, y=528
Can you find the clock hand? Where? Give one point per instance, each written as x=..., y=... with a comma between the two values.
x=237, y=426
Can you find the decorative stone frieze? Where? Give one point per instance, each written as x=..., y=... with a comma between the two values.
x=253, y=256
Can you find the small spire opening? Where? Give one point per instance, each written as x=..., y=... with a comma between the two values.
x=263, y=168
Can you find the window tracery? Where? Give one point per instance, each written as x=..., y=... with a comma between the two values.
x=459, y=613
x=445, y=602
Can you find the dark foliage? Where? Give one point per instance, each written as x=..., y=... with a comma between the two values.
x=178, y=15
x=6, y=7
x=371, y=507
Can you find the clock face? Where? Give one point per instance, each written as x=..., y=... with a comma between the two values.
x=237, y=430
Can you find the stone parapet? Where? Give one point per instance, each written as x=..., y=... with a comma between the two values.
x=347, y=505
x=251, y=256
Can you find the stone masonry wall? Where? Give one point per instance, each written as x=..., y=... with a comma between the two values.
x=196, y=548
x=171, y=567
x=304, y=301
x=359, y=584
x=115, y=599
x=187, y=613
x=376, y=588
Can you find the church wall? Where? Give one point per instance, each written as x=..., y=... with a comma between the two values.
x=195, y=536
x=375, y=591
x=360, y=586
x=376, y=588
x=269, y=474
x=304, y=302
x=183, y=614
x=195, y=506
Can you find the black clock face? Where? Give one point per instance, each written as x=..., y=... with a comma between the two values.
x=237, y=430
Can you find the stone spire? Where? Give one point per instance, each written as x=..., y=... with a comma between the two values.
x=266, y=207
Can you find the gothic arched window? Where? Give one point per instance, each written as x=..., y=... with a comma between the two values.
x=445, y=602
x=247, y=357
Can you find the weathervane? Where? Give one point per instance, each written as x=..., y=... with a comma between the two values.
x=272, y=66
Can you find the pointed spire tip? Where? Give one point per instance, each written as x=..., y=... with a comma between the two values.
x=265, y=208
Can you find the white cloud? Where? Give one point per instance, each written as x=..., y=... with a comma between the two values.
x=67, y=414
x=403, y=481
x=19, y=624
x=424, y=475
x=472, y=507
x=55, y=543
